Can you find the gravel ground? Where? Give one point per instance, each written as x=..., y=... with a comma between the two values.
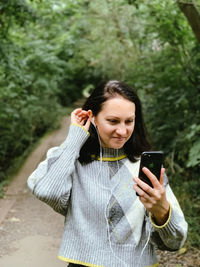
x=191, y=258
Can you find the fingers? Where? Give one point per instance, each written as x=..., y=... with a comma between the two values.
x=143, y=189
x=155, y=182
x=154, y=199
x=74, y=115
x=87, y=124
x=162, y=173
x=82, y=117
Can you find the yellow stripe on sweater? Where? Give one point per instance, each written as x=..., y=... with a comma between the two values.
x=92, y=265
x=109, y=159
x=166, y=223
x=155, y=265
x=78, y=262
x=76, y=124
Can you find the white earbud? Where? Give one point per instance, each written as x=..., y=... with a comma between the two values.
x=93, y=122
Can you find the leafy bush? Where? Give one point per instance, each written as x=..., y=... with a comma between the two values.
x=38, y=72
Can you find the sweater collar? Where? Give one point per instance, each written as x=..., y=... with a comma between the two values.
x=111, y=154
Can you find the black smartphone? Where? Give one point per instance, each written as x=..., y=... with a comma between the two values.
x=153, y=160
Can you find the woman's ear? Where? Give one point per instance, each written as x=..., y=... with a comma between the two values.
x=92, y=118
x=90, y=115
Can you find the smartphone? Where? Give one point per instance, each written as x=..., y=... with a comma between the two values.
x=153, y=160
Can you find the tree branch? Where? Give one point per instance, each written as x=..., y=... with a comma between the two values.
x=193, y=16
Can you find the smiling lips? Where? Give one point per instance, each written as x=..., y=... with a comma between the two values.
x=119, y=138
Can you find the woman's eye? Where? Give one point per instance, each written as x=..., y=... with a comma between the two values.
x=129, y=122
x=113, y=121
x=116, y=121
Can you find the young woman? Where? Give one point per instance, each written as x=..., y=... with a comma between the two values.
x=92, y=180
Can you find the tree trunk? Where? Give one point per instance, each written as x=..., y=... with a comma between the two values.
x=193, y=16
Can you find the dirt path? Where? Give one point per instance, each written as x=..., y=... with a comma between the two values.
x=30, y=231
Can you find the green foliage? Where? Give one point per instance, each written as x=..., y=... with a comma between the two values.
x=194, y=154
x=14, y=12
x=113, y=35
x=39, y=67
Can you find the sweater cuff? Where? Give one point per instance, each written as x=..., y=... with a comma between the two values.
x=169, y=227
x=78, y=125
x=76, y=137
x=166, y=223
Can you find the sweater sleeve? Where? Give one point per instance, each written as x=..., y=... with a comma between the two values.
x=51, y=181
x=172, y=235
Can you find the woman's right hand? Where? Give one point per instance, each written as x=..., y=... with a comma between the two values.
x=82, y=118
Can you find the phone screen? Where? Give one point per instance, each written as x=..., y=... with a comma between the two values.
x=153, y=160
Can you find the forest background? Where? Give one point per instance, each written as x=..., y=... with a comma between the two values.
x=51, y=52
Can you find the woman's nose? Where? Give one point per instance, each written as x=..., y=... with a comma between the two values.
x=121, y=129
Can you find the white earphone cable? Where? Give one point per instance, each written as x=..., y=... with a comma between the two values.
x=107, y=223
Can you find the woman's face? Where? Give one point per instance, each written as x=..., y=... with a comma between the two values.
x=115, y=122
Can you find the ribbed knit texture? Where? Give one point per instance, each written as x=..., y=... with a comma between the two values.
x=106, y=224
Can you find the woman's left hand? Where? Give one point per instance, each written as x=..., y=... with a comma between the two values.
x=154, y=199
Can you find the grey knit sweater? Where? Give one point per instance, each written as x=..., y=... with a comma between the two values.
x=105, y=223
